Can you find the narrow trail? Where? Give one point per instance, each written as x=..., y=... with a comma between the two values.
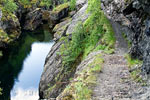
x=114, y=82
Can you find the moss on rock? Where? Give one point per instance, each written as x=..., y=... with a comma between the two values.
x=60, y=7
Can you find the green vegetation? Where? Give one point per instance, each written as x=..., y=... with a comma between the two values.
x=80, y=87
x=60, y=7
x=8, y=7
x=0, y=91
x=94, y=33
x=25, y=3
x=129, y=42
x=72, y=5
x=46, y=3
x=132, y=62
x=127, y=1
x=4, y=36
x=1, y=53
x=135, y=74
x=86, y=36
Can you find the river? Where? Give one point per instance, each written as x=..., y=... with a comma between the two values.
x=22, y=65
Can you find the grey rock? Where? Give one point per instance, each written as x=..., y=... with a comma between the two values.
x=60, y=29
x=79, y=16
x=51, y=69
x=49, y=88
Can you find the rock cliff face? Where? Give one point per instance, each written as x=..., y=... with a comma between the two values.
x=9, y=30
x=28, y=17
x=53, y=79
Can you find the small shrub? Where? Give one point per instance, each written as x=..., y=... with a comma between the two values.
x=132, y=62
x=10, y=6
x=72, y=5
x=0, y=91
x=46, y=3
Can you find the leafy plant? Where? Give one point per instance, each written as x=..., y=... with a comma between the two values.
x=0, y=91
x=10, y=6
x=46, y=3
x=88, y=34
x=72, y=5
x=74, y=48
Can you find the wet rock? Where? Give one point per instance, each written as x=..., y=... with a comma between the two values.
x=1, y=54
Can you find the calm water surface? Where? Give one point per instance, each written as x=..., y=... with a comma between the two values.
x=22, y=66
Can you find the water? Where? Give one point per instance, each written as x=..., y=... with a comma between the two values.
x=22, y=65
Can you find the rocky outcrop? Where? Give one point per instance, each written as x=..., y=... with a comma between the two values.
x=59, y=12
x=36, y=17
x=60, y=29
x=29, y=17
x=54, y=79
x=33, y=19
x=9, y=30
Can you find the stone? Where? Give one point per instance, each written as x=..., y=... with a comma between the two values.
x=81, y=15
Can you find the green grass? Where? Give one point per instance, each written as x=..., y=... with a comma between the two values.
x=136, y=73
x=0, y=91
x=132, y=62
x=46, y=3
x=1, y=53
x=72, y=5
x=60, y=7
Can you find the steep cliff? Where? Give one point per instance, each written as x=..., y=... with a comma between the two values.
x=88, y=30
x=130, y=19
x=54, y=79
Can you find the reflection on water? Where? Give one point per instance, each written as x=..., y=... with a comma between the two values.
x=22, y=65
x=28, y=80
x=21, y=94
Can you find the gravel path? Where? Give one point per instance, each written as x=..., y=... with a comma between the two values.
x=114, y=82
